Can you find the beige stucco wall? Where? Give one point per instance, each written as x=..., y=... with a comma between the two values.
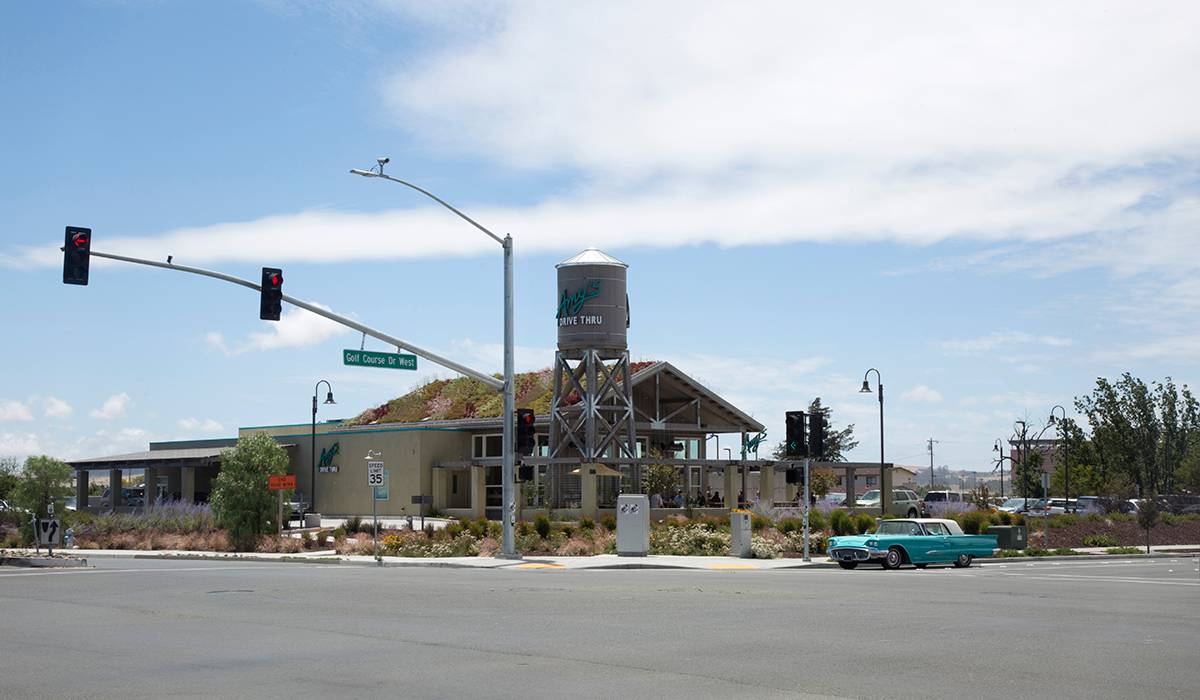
x=408, y=454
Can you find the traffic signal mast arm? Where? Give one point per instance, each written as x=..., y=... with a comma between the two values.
x=478, y=376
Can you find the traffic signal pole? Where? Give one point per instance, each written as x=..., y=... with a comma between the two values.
x=337, y=318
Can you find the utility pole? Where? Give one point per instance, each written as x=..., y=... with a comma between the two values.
x=931, y=441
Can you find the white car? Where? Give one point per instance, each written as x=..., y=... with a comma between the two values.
x=905, y=503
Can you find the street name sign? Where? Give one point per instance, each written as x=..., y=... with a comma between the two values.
x=389, y=360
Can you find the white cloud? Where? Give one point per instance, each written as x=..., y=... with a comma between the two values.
x=14, y=411
x=1004, y=340
x=52, y=407
x=114, y=407
x=922, y=394
x=295, y=328
x=207, y=426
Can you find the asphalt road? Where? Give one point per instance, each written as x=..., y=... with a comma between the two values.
x=177, y=629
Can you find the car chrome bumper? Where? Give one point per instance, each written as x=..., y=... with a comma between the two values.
x=856, y=553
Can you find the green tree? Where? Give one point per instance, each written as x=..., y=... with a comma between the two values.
x=1027, y=477
x=1187, y=475
x=241, y=500
x=43, y=481
x=9, y=467
x=1148, y=516
x=1139, y=431
x=837, y=442
x=659, y=478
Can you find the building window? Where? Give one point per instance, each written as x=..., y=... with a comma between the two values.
x=871, y=480
x=838, y=482
x=484, y=446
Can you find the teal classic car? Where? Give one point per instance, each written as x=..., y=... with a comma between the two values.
x=916, y=541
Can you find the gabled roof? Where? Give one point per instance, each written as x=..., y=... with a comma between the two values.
x=677, y=388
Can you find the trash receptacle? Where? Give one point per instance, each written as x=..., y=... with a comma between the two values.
x=739, y=530
x=633, y=525
x=1009, y=536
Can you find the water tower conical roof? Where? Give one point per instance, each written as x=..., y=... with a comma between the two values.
x=591, y=256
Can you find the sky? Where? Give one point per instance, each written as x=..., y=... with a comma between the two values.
x=990, y=204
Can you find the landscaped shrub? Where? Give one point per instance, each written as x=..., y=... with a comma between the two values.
x=1101, y=540
x=541, y=524
x=759, y=522
x=973, y=522
x=789, y=524
x=1064, y=552
x=586, y=523
x=568, y=531
x=816, y=520
x=691, y=540
x=608, y=522
x=1005, y=518
x=1123, y=550
x=478, y=527
x=864, y=523
x=841, y=523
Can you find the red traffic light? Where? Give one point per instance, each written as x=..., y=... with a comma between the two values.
x=77, y=255
x=270, y=303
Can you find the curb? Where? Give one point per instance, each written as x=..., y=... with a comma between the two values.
x=42, y=562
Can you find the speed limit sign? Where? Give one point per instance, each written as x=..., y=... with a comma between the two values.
x=375, y=473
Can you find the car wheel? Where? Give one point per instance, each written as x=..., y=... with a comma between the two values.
x=920, y=566
x=847, y=564
x=894, y=558
x=912, y=512
x=963, y=561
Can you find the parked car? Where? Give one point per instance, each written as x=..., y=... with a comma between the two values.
x=1085, y=502
x=916, y=541
x=1052, y=506
x=835, y=498
x=1013, y=505
x=133, y=495
x=905, y=503
x=940, y=497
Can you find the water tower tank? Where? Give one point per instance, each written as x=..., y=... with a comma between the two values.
x=593, y=308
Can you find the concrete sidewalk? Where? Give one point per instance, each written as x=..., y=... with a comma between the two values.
x=79, y=557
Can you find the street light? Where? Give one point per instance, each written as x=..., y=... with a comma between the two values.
x=328, y=400
x=884, y=494
x=999, y=447
x=507, y=475
x=1062, y=435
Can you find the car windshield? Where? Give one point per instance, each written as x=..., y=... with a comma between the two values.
x=1013, y=502
x=871, y=495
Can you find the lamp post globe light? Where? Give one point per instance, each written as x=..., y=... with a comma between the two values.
x=313, y=449
x=884, y=494
x=508, y=515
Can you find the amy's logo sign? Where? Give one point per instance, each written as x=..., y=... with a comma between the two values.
x=327, y=457
x=570, y=305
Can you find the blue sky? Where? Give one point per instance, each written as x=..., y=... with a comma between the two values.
x=993, y=205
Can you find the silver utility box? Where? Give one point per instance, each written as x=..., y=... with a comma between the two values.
x=739, y=531
x=633, y=525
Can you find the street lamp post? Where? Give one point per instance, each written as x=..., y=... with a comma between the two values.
x=507, y=475
x=1062, y=435
x=999, y=447
x=884, y=494
x=313, y=483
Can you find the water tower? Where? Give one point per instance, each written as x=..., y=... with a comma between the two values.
x=592, y=410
